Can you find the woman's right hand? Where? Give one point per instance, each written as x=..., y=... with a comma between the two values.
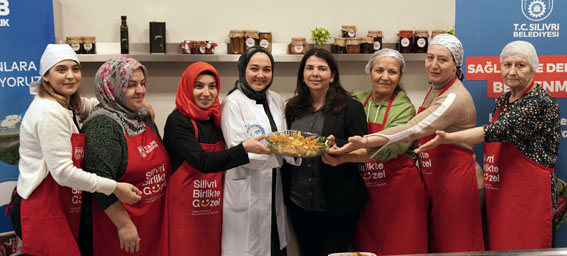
x=255, y=146
x=129, y=239
x=127, y=193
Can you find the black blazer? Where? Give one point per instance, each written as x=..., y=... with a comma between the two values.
x=344, y=189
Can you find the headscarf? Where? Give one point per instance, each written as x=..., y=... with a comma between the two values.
x=521, y=49
x=241, y=83
x=386, y=52
x=53, y=54
x=185, y=100
x=452, y=43
x=111, y=83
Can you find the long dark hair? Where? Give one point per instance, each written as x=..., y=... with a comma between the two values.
x=337, y=97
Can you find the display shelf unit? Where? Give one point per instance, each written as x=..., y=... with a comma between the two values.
x=140, y=53
x=147, y=57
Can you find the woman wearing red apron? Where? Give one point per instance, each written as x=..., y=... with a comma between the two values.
x=520, y=152
x=449, y=173
x=394, y=220
x=122, y=143
x=198, y=156
x=47, y=207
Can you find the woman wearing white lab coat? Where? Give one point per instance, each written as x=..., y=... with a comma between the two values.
x=254, y=216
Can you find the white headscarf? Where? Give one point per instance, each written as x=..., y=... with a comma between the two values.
x=53, y=54
x=452, y=43
x=521, y=49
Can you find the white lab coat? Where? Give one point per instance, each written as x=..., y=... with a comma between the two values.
x=246, y=226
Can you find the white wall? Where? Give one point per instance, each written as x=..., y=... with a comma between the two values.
x=212, y=20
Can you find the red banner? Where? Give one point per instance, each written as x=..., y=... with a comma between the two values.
x=551, y=74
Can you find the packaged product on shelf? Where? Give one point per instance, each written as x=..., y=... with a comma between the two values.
x=421, y=39
x=236, y=44
x=210, y=47
x=266, y=40
x=367, y=45
x=353, y=45
x=348, y=31
x=184, y=46
x=157, y=37
x=251, y=38
x=405, y=41
x=340, y=45
x=377, y=35
x=89, y=44
x=437, y=32
x=76, y=43
x=297, y=45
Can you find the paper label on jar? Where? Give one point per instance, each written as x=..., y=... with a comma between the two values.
x=405, y=42
x=421, y=42
x=264, y=43
x=75, y=47
x=87, y=46
x=298, y=48
x=376, y=45
x=250, y=42
x=202, y=49
x=351, y=34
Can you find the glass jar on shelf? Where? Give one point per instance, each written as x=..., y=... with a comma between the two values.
x=236, y=44
x=297, y=45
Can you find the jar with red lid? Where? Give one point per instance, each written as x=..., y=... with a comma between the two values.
x=421, y=41
x=377, y=35
x=405, y=44
x=340, y=45
x=184, y=46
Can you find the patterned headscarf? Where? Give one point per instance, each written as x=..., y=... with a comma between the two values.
x=452, y=43
x=185, y=100
x=111, y=83
x=241, y=83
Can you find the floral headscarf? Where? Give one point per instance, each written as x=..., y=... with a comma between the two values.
x=453, y=44
x=111, y=83
x=185, y=100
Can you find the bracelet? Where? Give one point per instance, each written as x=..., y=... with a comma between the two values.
x=366, y=142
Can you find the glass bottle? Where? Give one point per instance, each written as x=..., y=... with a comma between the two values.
x=124, y=44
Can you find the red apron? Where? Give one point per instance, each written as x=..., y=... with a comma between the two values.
x=148, y=169
x=394, y=220
x=50, y=216
x=194, y=202
x=518, y=198
x=455, y=223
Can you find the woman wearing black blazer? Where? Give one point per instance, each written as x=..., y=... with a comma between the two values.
x=323, y=201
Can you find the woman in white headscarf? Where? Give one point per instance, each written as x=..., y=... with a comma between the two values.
x=47, y=207
x=449, y=171
x=520, y=151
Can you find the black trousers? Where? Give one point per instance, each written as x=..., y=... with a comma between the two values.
x=319, y=233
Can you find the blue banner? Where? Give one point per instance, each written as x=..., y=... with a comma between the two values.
x=26, y=27
x=485, y=27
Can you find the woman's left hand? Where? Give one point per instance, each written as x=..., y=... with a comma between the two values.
x=354, y=143
x=255, y=146
x=441, y=138
x=332, y=160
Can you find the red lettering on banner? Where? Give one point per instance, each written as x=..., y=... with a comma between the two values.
x=551, y=74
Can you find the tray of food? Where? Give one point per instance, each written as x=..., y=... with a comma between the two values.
x=297, y=143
